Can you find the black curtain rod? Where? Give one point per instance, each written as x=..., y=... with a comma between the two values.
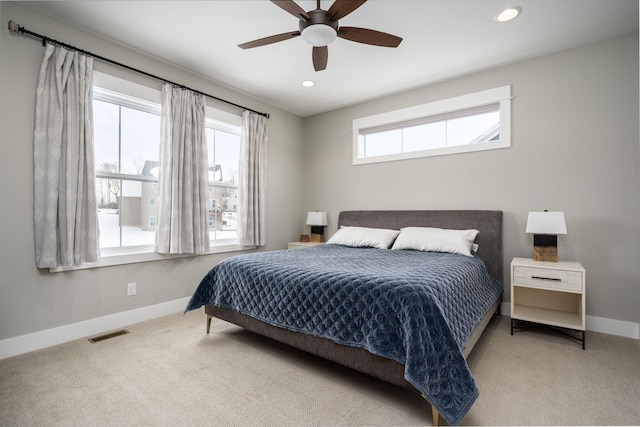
x=15, y=28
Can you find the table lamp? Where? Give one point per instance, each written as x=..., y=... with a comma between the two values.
x=317, y=221
x=545, y=227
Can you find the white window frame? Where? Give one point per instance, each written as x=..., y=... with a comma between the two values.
x=451, y=106
x=138, y=254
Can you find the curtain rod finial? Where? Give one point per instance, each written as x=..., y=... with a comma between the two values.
x=14, y=27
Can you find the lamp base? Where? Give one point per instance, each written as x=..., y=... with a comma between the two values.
x=317, y=233
x=545, y=253
x=545, y=247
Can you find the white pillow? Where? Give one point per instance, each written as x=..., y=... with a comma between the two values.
x=436, y=240
x=359, y=237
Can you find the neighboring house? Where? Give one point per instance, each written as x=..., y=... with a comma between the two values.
x=223, y=200
x=140, y=200
x=149, y=197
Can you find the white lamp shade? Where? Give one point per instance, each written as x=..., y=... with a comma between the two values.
x=546, y=223
x=319, y=34
x=317, y=218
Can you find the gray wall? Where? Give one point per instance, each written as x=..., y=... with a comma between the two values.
x=33, y=300
x=574, y=148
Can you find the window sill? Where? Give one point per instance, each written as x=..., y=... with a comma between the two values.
x=139, y=257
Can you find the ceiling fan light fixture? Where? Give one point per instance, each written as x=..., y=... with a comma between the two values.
x=319, y=28
x=509, y=14
x=319, y=34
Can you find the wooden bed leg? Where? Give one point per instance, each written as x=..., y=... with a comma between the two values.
x=209, y=322
x=435, y=415
x=434, y=412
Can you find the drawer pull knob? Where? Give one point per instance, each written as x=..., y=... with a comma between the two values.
x=546, y=278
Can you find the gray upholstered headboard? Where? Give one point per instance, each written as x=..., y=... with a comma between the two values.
x=489, y=223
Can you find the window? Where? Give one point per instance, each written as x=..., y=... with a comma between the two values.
x=127, y=145
x=126, y=141
x=223, y=147
x=478, y=121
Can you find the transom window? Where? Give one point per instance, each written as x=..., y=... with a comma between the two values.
x=478, y=121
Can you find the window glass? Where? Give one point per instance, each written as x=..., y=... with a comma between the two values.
x=473, y=129
x=140, y=140
x=382, y=143
x=424, y=137
x=127, y=142
x=478, y=121
x=106, y=122
x=223, y=146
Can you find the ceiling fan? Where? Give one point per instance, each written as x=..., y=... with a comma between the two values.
x=320, y=27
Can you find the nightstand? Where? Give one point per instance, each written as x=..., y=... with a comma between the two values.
x=548, y=293
x=298, y=245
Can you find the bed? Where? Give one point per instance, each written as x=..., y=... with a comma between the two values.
x=379, y=311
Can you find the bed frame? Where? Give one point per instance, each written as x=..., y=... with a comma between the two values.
x=489, y=223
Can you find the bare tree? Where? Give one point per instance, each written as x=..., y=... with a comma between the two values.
x=138, y=165
x=112, y=185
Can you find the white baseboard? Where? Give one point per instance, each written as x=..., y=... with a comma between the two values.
x=49, y=337
x=613, y=327
x=603, y=325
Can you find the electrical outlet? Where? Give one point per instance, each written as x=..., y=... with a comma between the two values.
x=131, y=289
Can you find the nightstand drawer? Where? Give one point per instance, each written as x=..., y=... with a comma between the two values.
x=548, y=278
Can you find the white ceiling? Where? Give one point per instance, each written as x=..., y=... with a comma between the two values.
x=442, y=39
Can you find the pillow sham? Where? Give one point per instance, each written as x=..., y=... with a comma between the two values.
x=436, y=240
x=359, y=237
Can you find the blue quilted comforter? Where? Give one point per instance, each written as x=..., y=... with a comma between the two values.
x=417, y=308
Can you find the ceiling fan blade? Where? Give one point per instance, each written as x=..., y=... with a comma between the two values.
x=320, y=56
x=292, y=7
x=367, y=36
x=269, y=40
x=341, y=8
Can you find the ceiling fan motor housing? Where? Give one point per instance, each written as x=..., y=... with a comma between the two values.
x=319, y=30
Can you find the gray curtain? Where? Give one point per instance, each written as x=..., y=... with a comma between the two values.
x=65, y=210
x=183, y=181
x=252, y=182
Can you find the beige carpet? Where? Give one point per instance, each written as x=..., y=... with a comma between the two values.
x=168, y=372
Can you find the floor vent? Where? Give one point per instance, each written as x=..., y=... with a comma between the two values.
x=107, y=336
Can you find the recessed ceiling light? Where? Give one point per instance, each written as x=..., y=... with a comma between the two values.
x=308, y=83
x=509, y=14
